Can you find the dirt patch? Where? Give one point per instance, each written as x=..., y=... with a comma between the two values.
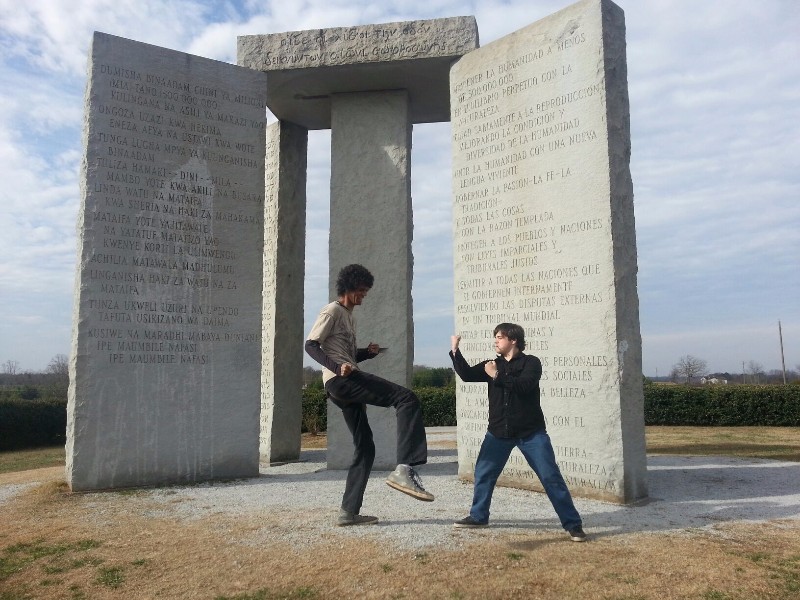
x=55, y=545
x=314, y=440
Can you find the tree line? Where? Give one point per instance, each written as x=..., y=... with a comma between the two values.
x=56, y=374
x=692, y=369
x=688, y=369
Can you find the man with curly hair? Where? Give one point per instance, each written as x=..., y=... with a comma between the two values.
x=332, y=343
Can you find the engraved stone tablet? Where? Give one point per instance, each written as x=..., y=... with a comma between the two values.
x=544, y=237
x=166, y=350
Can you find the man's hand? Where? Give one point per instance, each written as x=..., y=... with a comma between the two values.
x=345, y=369
x=454, y=341
x=373, y=348
x=491, y=369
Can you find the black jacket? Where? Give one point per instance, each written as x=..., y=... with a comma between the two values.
x=515, y=410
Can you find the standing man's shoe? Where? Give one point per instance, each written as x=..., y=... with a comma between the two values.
x=347, y=518
x=576, y=534
x=469, y=523
x=406, y=480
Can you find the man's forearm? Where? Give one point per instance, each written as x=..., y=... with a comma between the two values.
x=465, y=371
x=315, y=351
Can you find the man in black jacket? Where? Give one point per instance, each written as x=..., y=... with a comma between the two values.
x=515, y=420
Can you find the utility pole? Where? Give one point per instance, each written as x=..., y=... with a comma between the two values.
x=743, y=381
x=783, y=362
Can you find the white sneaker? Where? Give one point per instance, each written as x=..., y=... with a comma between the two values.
x=405, y=479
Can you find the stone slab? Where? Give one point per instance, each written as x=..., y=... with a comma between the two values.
x=166, y=349
x=544, y=236
x=284, y=269
x=306, y=67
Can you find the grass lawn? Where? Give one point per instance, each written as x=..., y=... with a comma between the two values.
x=779, y=443
x=34, y=458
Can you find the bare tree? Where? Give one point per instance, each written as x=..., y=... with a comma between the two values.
x=59, y=366
x=10, y=367
x=689, y=366
x=776, y=376
x=755, y=370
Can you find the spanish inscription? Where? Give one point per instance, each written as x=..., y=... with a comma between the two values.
x=532, y=236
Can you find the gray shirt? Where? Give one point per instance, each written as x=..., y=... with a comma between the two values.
x=335, y=330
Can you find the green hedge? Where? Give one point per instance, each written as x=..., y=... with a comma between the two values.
x=315, y=410
x=722, y=405
x=732, y=405
x=42, y=422
x=32, y=423
x=438, y=407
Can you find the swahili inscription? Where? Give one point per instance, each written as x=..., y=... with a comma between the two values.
x=156, y=223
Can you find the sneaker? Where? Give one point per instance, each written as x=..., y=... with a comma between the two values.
x=406, y=480
x=576, y=534
x=348, y=518
x=469, y=523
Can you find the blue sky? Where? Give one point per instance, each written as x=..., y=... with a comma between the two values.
x=715, y=117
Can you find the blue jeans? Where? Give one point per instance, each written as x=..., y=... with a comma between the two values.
x=538, y=451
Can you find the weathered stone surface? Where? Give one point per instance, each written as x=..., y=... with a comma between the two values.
x=371, y=225
x=284, y=268
x=306, y=67
x=544, y=237
x=166, y=350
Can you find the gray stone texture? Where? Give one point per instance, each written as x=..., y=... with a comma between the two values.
x=165, y=364
x=544, y=236
x=306, y=68
x=284, y=269
x=371, y=225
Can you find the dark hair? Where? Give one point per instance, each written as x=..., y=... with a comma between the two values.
x=513, y=332
x=353, y=277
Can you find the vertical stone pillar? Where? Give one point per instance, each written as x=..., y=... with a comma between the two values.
x=545, y=237
x=164, y=372
x=371, y=225
x=284, y=269
x=628, y=375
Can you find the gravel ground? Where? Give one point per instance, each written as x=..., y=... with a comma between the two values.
x=302, y=500
x=298, y=502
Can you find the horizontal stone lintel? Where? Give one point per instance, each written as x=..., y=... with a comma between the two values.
x=304, y=68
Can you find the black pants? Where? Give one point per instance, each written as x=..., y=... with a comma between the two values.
x=351, y=394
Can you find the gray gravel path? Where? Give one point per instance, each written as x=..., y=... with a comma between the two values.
x=298, y=502
x=685, y=493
